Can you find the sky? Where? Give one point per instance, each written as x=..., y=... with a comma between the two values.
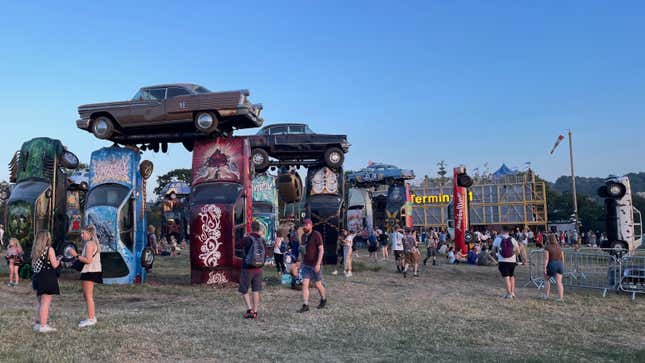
x=410, y=83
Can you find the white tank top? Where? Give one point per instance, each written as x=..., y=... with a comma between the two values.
x=95, y=266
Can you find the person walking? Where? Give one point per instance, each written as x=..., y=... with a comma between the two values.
x=44, y=280
x=92, y=272
x=411, y=254
x=433, y=243
x=348, y=247
x=14, y=256
x=397, y=247
x=383, y=241
x=294, y=254
x=372, y=244
x=507, y=249
x=251, y=273
x=340, y=261
x=278, y=252
x=553, y=267
x=152, y=240
x=312, y=245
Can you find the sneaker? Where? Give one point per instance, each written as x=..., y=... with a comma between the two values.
x=46, y=329
x=349, y=274
x=335, y=273
x=544, y=297
x=322, y=304
x=87, y=322
x=405, y=274
x=416, y=275
x=10, y=284
x=304, y=308
x=434, y=262
x=508, y=296
x=250, y=314
x=36, y=327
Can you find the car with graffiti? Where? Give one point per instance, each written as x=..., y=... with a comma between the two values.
x=377, y=173
x=173, y=112
x=296, y=144
x=115, y=205
x=360, y=215
x=78, y=184
x=623, y=222
x=325, y=205
x=265, y=206
x=38, y=200
x=220, y=209
x=175, y=211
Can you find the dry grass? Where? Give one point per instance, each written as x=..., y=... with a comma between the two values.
x=450, y=313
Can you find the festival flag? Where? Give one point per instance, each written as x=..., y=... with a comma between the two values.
x=557, y=142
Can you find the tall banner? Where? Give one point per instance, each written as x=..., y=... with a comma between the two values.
x=460, y=204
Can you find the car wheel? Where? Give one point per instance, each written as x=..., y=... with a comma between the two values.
x=188, y=145
x=334, y=157
x=206, y=122
x=616, y=190
x=260, y=160
x=103, y=127
x=465, y=181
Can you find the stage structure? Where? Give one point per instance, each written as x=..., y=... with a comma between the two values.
x=504, y=198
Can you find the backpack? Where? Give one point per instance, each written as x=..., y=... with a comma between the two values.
x=507, y=247
x=257, y=253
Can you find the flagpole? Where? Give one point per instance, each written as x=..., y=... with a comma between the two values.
x=573, y=182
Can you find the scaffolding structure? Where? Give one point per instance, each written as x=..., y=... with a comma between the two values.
x=516, y=200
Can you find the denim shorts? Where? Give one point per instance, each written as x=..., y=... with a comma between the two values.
x=554, y=267
x=309, y=273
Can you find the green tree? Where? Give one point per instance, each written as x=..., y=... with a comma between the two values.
x=180, y=174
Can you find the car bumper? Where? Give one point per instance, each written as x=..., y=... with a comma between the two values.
x=83, y=124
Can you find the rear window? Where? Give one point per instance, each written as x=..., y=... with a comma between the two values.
x=215, y=193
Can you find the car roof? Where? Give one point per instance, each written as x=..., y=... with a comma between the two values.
x=284, y=124
x=184, y=85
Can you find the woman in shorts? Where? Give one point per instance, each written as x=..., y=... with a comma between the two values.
x=553, y=266
x=92, y=271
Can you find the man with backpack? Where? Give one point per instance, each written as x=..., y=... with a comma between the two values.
x=507, y=249
x=313, y=251
x=251, y=274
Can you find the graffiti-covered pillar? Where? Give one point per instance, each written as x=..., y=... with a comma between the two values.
x=397, y=196
x=221, y=209
x=324, y=203
x=460, y=205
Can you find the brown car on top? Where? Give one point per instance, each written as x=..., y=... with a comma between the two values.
x=172, y=110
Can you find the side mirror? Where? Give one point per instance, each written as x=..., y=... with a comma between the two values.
x=145, y=168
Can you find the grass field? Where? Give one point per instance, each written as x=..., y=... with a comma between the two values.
x=450, y=313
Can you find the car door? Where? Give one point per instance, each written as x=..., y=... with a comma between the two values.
x=177, y=105
x=150, y=109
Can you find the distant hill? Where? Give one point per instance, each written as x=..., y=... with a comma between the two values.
x=589, y=186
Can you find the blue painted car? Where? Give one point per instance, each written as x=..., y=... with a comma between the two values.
x=115, y=205
x=378, y=173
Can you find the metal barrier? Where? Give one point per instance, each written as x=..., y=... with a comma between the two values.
x=632, y=275
x=594, y=270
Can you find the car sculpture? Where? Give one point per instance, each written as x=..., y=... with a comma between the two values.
x=170, y=112
x=296, y=144
x=377, y=173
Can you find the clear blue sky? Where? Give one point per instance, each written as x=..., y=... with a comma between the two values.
x=411, y=83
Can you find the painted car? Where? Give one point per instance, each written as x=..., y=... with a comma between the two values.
x=115, y=205
x=38, y=200
x=175, y=212
x=376, y=173
x=324, y=205
x=360, y=215
x=265, y=206
x=296, y=144
x=623, y=222
x=170, y=111
x=220, y=209
x=78, y=184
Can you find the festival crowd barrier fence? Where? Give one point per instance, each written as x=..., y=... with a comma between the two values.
x=594, y=269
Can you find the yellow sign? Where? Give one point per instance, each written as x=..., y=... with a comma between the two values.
x=435, y=199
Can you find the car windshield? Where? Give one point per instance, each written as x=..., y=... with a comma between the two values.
x=259, y=207
x=215, y=193
x=200, y=89
x=111, y=195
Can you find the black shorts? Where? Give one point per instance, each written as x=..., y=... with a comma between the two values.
x=398, y=255
x=250, y=278
x=507, y=269
x=96, y=277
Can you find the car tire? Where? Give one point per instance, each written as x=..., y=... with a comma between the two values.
x=102, y=127
x=334, y=157
x=616, y=190
x=465, y=181
x=189, y=145
x=260, y=160
x=206, y=122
